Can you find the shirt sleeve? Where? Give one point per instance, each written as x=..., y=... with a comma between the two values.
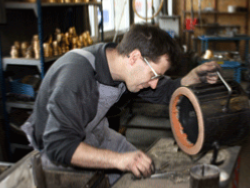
x=71, y=106
x=163, y=92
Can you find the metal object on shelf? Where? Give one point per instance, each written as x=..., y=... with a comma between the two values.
x=14, y=52
x=59, y=38
x=67, y=41
x=74, y=42
x=85, y=36
x=56, y=50
x=199, y=119
x=72, y=31
x=83, y=42
x=30, y=1
x=24, y=47
x=51, y=1
x=208, y=54
x=36, y=47
x=231, y=8
x=47, y=49
x=50, y=40
x=64, y=44
x=89, y=40
x=17, y=44
x=57, y=31
x=29, y=52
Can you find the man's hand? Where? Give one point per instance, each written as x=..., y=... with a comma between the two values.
x=136, y=162
x=205, y=72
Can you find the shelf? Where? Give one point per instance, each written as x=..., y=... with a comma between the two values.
x=217, y=26
x=216, y=12
x=27, y=5
x=33, y=6
x=27, y=62
x=19, y=104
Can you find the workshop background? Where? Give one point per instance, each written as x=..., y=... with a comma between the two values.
x=205, y=29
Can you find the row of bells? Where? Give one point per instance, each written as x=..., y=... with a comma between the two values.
x=60, y=44
x=61, y=1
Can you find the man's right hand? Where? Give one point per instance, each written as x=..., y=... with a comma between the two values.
x=136, y=162
x=90, y=157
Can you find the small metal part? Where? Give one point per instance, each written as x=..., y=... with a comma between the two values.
x=163, y=175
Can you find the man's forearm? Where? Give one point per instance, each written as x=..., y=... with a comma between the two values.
x=90, y=157
x=136, y=162
x=203, y=73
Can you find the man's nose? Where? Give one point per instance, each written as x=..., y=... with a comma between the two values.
x=153, y=83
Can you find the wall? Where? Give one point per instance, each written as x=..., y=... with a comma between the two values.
x=223, y=19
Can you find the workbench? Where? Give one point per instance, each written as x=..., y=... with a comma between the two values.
x=168, y=158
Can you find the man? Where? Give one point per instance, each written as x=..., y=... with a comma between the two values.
x=68, y=124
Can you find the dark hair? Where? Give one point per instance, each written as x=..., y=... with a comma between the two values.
x=152, y=42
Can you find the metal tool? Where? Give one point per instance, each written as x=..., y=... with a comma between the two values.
x=159, y=173
x=226, y=107
x=163, y=175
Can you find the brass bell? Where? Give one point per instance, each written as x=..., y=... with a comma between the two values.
x=47, y=50
x=29, y=52
x=208, y=54
x=74, y=42
x=24, y=46
x=14, y=52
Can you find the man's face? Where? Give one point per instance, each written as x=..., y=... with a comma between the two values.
x=141, y=73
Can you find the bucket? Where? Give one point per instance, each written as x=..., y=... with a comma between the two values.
x=204, y=176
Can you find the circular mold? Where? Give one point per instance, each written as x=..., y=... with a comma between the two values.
x=187, y=121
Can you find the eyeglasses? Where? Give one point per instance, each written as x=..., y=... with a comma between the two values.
x=156, y=76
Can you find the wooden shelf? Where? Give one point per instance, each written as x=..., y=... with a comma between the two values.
x=216, y=12
x=26, y=61
x=217, y=26
x=33, y=6
x=19, y=104
x=27, y=5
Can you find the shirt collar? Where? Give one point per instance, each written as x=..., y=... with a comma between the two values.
x=103, y=74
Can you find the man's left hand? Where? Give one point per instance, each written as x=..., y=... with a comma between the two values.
x=205, y=72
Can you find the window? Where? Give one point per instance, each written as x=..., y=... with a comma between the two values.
x=121, y=15
x=145, y=10
x=115, y=15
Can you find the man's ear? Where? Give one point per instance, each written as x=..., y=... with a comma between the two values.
x=133, y=56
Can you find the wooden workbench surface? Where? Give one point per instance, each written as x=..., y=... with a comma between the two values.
x=168, y=158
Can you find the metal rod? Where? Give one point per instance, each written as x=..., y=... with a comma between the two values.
x=226, y=107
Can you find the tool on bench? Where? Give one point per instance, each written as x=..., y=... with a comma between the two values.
x=157, y=173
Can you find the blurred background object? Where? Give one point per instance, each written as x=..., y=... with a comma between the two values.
x=2, y=12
